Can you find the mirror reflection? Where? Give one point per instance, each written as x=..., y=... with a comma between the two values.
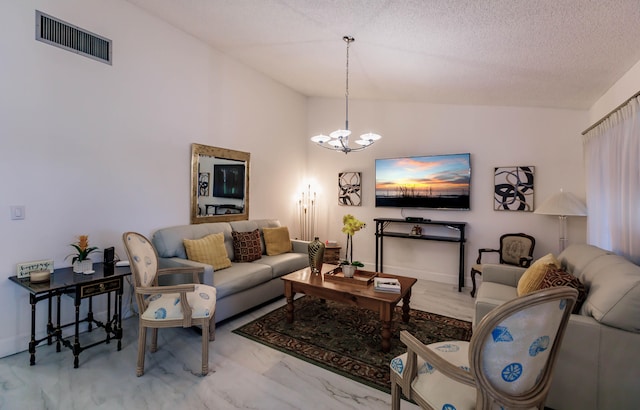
x=220, y=184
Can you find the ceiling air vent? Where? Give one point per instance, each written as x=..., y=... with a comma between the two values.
x=61, y=34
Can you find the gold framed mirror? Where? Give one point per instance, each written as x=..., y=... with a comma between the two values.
x=219, y=184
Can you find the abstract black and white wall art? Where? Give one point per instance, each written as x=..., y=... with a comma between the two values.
x=513, y=189
x=349, y=188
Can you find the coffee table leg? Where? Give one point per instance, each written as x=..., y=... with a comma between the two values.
x=405, y=306
x=289, y=309
x=386, y=336
x=288, y=293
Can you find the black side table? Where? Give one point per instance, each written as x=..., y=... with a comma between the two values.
x=105, y=280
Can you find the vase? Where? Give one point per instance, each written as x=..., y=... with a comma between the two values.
x=83, y=266
x=316, y=255
x=348, y=271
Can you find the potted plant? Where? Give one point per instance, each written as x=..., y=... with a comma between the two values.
x=81, y=262
x=351, y=225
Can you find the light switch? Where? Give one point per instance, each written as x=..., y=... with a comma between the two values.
x=17, y=212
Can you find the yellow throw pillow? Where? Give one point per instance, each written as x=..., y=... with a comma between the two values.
x=277, y=240
x=531, y=279
x=209, y=250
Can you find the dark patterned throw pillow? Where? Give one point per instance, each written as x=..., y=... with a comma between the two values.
x=558, y=277
x=246, y=246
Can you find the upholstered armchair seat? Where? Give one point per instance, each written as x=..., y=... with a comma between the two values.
x=166, y=306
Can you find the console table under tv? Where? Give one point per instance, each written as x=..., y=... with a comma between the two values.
x=458, y=227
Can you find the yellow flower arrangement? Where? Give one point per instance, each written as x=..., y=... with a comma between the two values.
x=83, y=249
x=351, y=225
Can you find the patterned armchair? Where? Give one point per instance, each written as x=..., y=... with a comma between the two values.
x=183, y=305
x=515, y=249
x=507, y=364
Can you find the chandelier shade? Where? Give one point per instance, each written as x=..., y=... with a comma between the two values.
x=338, y=140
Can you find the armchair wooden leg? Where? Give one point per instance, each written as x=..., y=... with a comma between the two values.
x=212, y=328
x=205, y=348
x=142, y=340
x=473, y=280
x=395, y=396
x=154, y=340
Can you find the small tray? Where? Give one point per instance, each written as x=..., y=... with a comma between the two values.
x=360, y=278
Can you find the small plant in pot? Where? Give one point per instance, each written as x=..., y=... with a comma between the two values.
x=81, y=262
x=349, y=269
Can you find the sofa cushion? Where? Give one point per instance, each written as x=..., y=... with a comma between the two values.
x=285, y=262
x=532, y=277
x=554, y=277
x=209, y=250
x=240, y=277
x=169, y=241
x=614, y=292
x=575, y=258
x=277, y=240
x=246, y=246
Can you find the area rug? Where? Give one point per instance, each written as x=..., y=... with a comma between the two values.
x=346, y=339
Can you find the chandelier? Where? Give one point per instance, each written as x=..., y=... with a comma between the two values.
x=338, y=140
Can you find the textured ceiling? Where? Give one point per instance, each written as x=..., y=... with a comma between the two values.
x=545, y=53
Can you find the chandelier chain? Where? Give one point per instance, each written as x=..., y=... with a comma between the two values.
x=348, y=39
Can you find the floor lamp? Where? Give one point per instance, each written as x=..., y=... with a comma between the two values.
x=562, y=204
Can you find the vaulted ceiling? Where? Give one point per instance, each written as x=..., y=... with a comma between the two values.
x=544, y=53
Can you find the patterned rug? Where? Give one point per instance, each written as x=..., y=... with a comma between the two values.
x=346, y=339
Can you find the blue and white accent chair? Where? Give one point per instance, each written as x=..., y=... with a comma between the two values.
x=182, y=305
x=507, y=364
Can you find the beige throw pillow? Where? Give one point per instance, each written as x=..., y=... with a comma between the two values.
x=209, y=249
x=277, y=240
x=531, y=279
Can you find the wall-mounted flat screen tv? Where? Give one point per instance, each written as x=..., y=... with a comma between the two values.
x=430, y=182
x=228, y=181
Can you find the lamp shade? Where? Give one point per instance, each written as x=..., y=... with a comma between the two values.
x=562, y=204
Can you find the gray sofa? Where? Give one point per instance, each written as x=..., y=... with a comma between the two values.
x=599, y=362
x=243, y=285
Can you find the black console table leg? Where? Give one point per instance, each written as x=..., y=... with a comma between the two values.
x=32, y=342
x=76, y=338
x=118, y=318
x=49, y=323
x=58, y=328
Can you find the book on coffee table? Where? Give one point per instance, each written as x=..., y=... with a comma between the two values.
x=390, y=285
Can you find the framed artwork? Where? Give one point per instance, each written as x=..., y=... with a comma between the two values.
x=203, y=183
x=513, y=189
x=349, y=188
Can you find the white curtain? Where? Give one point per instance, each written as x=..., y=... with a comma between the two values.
x=612, y=160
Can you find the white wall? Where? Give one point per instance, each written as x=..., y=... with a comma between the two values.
x=95, y=149
x=548, y=139
x=624, y=88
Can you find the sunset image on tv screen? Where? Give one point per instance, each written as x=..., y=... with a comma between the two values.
x=437, y=181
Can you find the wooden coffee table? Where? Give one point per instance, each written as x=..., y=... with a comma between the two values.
x=303, y=281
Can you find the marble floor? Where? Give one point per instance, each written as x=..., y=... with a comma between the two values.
x=243, y=374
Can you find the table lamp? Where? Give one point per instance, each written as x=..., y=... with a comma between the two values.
x=562, y=204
